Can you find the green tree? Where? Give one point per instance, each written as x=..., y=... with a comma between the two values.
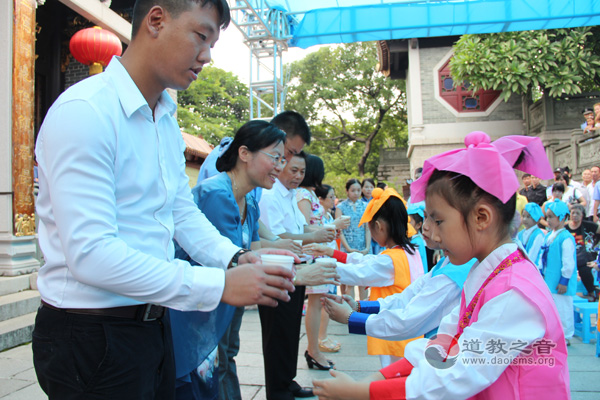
x=214, y=105
x=552, y=62
x=352, y=108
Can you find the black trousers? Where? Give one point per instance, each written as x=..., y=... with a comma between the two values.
x=585, y=273
x=280, y=341
x=96, y=357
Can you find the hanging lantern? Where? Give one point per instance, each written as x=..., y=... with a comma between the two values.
x=95, y=47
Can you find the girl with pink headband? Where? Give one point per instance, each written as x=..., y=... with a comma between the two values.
x=504, y=340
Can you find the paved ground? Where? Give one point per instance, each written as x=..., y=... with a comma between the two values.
x=18, y=381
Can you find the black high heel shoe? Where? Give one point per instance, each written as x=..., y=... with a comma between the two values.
x=314, y=363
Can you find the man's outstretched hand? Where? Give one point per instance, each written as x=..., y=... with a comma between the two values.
x=249, y=284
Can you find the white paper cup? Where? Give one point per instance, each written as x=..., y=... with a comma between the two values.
x=299, y=241
x=330, y=226
x=277, y=259
x=345, y=217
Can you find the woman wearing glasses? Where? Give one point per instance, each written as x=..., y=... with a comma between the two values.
x=253, y=159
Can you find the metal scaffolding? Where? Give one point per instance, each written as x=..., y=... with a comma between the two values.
x=266, y=32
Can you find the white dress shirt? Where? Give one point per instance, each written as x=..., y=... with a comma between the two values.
x=589, y=209
x=113, y=194
x=416, y=311
x=508, y=317
x=279, y=210
x=375, y=270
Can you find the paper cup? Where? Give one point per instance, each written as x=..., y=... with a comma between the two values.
x=330, y=226
x=345, y=217
x=277, y=259
x=299, y=241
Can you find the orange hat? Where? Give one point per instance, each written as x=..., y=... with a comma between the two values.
x=380, y=196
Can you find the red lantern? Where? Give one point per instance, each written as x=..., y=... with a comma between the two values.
x=95, y=47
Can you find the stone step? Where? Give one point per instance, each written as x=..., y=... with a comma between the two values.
x=16, y=331
x=14, y=284
x=17, y=304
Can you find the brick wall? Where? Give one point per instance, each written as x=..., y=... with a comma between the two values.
x=75, y=72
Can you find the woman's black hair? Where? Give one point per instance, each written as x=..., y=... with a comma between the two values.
x=255, y=135
x=323, y=190
x=393, y=212
x=370, y=180
x=559, y=186
x=351, y=182
x=416, y=217
x=463, y=194
x=314, y=172
x=566, y=178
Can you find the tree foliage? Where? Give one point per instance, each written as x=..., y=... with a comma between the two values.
x=555, y=62
x=214, y=106
x=351, y=108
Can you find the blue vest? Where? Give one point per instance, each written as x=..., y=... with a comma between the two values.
x=536, y=232
x=458, y=273
x=418, y=241
x=553, y=263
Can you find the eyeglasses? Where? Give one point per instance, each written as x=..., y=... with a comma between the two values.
x=277, y=160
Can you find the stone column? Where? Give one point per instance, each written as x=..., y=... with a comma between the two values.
x=17, y=212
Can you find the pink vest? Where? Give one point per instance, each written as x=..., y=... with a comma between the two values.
x=527, y=381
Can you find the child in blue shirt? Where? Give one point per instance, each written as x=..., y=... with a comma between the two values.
x=532, y=237
x=559, y=261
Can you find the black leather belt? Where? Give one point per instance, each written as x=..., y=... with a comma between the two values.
x=142, y=312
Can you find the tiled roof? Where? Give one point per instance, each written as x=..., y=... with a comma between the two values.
x=196, y=146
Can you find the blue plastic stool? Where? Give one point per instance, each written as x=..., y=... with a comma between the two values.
x=583, y=313
x=577, y=299
x=597, y=346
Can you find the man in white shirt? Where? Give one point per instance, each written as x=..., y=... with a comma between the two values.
x=281, y=325
x=113, y=195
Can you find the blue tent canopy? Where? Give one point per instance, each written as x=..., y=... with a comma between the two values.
x=345, y=21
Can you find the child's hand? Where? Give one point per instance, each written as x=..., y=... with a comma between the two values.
x=317, y=250
x=345, y=298
x=593, y=264
x=365, y=251
x=561, y=289
x=337, y=312
x=342, y=386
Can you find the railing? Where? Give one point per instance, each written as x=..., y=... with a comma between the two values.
x=580, y=153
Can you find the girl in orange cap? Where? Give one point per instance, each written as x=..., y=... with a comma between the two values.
x=387, y=273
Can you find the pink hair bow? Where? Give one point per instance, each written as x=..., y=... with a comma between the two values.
x=489, y=165
x=534, y=161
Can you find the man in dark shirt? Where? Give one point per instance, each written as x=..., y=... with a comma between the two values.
x=526, y=178
x=586, y=238
x=536, y=193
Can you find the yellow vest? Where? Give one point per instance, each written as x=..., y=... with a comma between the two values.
x=401, y=281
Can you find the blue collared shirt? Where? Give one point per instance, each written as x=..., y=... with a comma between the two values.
x=113, y=195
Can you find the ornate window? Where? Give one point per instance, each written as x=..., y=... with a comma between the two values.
x=461, y=98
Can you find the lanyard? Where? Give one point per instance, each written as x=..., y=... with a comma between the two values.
x=515, y=257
